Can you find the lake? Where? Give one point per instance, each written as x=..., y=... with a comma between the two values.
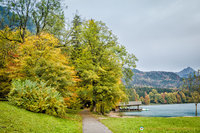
x=167, y=110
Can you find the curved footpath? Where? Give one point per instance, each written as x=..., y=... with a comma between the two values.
x=92, y=125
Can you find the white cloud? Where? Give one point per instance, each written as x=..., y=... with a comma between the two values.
x=163, y=34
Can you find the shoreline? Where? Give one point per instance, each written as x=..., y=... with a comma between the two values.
x=118, y=115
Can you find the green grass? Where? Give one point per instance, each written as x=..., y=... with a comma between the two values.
x=153, y=125
x=14, y=119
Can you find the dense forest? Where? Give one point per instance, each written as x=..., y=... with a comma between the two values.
x=47, y=65
x=187, y=94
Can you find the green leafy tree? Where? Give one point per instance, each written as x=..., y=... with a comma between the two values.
x=100, y=63
x=21, y=11
x=142, y=99
x=133, y=96
x=152, y=96
x=45, y=15
x=48, y=16
x=168, y=98
x=159, y=98
x=192, y=85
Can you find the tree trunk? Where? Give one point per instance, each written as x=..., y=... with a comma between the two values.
x=196, y=109
x=93, y=108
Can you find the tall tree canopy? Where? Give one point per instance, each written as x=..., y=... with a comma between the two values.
x=100, y=62
x=192, y=85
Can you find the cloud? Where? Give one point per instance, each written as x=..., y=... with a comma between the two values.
x=163, y=34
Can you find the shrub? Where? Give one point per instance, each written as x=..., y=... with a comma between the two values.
x=37, y=97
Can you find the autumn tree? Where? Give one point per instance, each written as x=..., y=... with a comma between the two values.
x=146, y=99
x=163, y=97
x=5, y=49
x=8, y=53
x=183, y=97
x=40, y=61
x=178, y=98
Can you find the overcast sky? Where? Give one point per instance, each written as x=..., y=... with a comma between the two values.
x=163, y=34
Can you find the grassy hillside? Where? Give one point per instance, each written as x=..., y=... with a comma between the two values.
x=153, y=124
x=14, y=119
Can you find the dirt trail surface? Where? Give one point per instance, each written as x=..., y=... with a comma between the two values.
x=92, y=125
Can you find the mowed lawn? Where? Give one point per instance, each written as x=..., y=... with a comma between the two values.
x=14, y=119
x=153, y=125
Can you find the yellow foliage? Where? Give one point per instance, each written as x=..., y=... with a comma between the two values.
x=39, y=60
x=12, y=35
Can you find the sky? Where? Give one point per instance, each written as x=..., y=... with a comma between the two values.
x=163, y=34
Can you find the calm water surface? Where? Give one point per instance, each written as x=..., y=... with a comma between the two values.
x=167, y=110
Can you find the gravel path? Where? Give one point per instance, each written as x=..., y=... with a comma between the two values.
x=92, y=125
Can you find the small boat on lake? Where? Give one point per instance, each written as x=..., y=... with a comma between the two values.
x=145, y=109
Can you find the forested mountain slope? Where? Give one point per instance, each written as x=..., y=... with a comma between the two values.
x=159, y=79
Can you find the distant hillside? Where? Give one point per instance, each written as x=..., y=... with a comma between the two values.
x=157, y=79
x=186, y=72
x=160, y=79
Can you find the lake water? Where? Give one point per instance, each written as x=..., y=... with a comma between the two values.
x=167, y=110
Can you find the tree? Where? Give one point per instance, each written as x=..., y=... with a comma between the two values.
x=142, y=99
x=39, y=60
x=7, y=55
x=159, y=98
x=47, y=15
x=196, y=99
x=133, y=96
x=21, y=10
x=99, y=62
x=163, y=97
x=192, y=85
x=178, y=98
x=152, y=95
x=183, y=97
x=146, y=99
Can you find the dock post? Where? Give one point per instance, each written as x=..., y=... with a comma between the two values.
x=138, y=107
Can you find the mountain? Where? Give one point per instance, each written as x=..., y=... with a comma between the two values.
x=160, y=79
x=186, y=72
x=157, y=79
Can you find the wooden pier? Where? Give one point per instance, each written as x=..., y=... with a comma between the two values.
x=122, y=107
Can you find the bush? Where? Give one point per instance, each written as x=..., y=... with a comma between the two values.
x=37, y=97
